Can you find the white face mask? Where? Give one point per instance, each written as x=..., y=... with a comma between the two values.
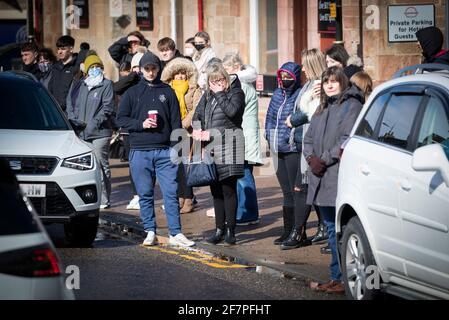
x=189, y=52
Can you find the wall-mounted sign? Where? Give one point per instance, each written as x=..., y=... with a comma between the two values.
x=405, y=21
x=83, y=5
x=327, y=13
x=115, y=8
x=144, y=14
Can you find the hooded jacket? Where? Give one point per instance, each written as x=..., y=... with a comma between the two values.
x=282, y=104
x=143, y=97
x=193, y=96
x=431, y=40
x=324, y=138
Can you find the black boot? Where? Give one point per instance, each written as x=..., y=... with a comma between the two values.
x=296, y=239
x=287, y=214
x=217, y=238
x=230, y=236
x=321, y=234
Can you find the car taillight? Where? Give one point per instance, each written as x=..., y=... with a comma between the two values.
x=46, y=263
x=30, y=262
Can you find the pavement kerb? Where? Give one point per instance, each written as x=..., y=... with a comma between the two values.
x=124, y=228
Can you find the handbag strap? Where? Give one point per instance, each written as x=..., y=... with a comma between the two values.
x=192, y=150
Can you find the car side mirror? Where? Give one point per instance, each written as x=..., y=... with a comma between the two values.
x=77, y=126
x=431, y=158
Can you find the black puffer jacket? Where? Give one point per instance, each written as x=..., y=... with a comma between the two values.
x=221, y=114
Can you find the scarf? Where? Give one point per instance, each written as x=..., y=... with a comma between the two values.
x=181, y=87
x=92, y=82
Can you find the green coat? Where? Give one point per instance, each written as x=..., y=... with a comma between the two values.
x=250, y=124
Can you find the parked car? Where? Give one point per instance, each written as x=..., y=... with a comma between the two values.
x=393, y=191
x=56, y=170
x=29, y=264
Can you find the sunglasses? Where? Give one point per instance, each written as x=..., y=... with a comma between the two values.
x=218, y=81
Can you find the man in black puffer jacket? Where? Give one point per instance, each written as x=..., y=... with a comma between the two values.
x=149, y=111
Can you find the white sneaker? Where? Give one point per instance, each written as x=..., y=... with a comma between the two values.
x=210, y=213
x=133, y=204
x=151, y=239
x=180, y=240
x=105, y=206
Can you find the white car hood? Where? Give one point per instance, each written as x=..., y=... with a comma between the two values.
x=61, y=144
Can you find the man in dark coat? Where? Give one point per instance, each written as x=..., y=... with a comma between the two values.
x=64, y=70
x=431, y=41
x=167, y=51
x=125, y=48
x=150, y=112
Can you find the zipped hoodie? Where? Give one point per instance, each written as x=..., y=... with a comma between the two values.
x=143, y=97
x=281, y=106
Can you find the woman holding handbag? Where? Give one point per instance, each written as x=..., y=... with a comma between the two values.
x=219, y=114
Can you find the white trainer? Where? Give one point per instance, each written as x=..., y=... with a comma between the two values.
x=210, y=213
x=151, y=239
x=133, y=204
x=180, y=240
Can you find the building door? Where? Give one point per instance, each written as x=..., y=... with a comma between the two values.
x=299, y=28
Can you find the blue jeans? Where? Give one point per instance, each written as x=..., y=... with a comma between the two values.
x=328, y=214
x=247, y=209
x=145, y=167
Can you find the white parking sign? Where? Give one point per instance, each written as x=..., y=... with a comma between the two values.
x=405, y=21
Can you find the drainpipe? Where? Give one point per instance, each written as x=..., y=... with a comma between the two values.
x=30, y=20
x=173, y=20
x=64, y=19
x=360, y=47
x=254, y=48
x=200, y=15
x=339, y=24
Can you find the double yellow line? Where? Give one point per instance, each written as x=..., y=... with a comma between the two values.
x=200, y=257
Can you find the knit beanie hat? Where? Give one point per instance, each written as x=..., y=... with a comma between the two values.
x=91, y=60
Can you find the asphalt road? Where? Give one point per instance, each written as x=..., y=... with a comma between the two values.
x=116, y=268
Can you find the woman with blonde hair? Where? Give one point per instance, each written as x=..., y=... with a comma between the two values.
x=364, y=82
x=221, y=111
x=202, y=56
x=248, y=209
x=313, y=65
x=182, y=76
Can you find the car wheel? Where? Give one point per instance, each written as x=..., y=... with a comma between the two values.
x=81, y=232
x=356, y=257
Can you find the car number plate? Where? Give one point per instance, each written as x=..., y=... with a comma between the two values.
x=34, y=190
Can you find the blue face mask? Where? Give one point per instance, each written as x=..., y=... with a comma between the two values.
x=95, y=72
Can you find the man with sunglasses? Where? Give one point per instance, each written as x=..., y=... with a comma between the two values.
x=149, y=111
x=125, y=48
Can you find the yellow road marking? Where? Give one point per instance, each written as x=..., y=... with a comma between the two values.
x=200, y=257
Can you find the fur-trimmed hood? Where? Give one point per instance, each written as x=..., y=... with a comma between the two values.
x=178, y=64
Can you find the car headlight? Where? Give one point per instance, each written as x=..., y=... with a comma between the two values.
x=82, y=162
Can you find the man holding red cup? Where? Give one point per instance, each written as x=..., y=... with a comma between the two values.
x=149, y=111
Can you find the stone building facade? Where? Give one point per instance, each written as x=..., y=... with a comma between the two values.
x=265, y=32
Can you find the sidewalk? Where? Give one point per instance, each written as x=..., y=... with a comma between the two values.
x=254, y=243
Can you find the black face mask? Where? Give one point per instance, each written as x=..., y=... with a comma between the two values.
x=200, y=47
x=287, y=83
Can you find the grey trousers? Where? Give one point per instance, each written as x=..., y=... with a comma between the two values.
x=101, y=151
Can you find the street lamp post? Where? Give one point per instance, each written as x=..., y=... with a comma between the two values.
x=339, y=23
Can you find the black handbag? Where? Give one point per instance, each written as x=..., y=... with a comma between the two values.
x=200, y=173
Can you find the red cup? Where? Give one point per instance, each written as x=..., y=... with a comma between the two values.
x=152, y=114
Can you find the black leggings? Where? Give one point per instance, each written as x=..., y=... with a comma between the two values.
x=183, y=190
x=225, y=202
x=289, y=174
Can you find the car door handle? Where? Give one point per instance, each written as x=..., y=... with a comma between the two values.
x=365, y=169
x=405, y=185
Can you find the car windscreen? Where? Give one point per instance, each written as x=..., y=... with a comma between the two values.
x=15, y=217
x=28, y=107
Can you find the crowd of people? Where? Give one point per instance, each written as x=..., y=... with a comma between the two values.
x=207, y=97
